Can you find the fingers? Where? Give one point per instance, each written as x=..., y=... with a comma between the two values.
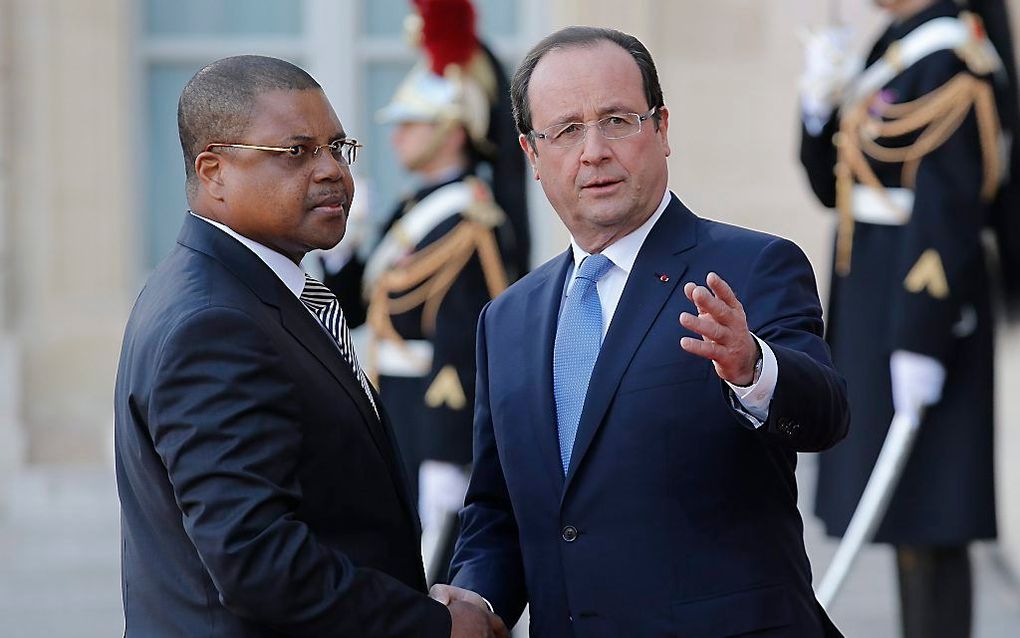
x=499, y=629
x=441, y=593
x=720, y=316
x=722, y=290
x=722, y=324
x=704, y=325
x=448, y=594
x=702, y=348
x=706, y=302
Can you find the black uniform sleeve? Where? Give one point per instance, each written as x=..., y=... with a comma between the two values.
x=451, y=380
x=941, y=253
x=818, y=156
x=346, y=285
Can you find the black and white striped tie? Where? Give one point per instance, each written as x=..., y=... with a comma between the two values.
x=326, y=307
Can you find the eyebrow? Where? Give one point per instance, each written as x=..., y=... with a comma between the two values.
x=304, y=139
x=609, y=110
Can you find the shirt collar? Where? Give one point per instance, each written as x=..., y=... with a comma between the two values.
x=289, y=273
x=624, y=251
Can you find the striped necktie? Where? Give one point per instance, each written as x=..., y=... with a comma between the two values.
x=326, y=307
x=578, y=340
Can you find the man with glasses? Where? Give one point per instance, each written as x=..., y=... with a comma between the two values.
x=636, y=433
x=261, y=492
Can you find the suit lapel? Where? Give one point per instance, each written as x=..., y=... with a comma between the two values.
x=641, y=302
x=313, y=337
x=544, y=304
x=253, y=272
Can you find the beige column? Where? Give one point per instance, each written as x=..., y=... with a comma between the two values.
x=72, y=171
x=11, y=434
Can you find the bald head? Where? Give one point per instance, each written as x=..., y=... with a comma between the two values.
x=216, y=105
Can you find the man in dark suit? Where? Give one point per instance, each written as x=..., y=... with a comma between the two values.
x=636, y=436
x=260, y=489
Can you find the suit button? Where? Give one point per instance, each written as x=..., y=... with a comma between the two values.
x=570, y=533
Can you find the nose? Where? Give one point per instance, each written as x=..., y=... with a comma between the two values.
x=594, y=147
x=327, y=169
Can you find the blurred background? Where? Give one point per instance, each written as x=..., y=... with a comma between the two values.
x=91, y=197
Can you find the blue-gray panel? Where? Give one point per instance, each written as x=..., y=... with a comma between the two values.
x=223, y=17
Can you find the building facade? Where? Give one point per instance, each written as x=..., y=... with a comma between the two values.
x=91, y=182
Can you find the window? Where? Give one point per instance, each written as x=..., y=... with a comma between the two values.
x=355, y=48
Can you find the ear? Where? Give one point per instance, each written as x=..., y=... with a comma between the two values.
x=664, y=128
x=530, y=152
x=209, y=169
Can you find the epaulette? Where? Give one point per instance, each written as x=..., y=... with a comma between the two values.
x=483, y=209
x=976, y=52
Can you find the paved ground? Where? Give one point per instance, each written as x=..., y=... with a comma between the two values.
x=59, y=574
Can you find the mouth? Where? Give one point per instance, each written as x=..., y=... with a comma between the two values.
x=601, y=186
x=332, y=204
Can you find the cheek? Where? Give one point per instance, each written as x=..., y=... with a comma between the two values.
x=558, y=177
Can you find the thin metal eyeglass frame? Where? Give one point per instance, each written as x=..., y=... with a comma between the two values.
x=544, y=135
x=352, y=144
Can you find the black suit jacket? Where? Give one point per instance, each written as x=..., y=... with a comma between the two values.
x=259, y=494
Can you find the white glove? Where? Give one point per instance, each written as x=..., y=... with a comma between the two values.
x=917, y=381
x=828, y=69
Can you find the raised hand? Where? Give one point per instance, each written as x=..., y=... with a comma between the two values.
x=721, y=322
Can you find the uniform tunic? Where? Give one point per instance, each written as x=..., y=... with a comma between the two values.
x=425, y=429
x=946, y=494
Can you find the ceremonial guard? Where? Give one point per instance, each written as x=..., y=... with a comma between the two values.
x=913, y=151
x=443, y=254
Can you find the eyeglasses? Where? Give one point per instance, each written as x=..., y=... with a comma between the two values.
x=612, y=127
x=344, y=151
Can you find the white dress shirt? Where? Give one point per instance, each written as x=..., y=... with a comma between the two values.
x=751, y=401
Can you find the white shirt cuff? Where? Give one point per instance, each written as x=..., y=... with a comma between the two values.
x=753, y=401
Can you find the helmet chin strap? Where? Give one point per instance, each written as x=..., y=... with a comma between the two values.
x=428, y=152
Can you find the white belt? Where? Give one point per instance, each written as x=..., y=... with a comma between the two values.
x=887, y=206
x=411, y=358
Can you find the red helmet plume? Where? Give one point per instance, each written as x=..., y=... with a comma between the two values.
x=448, y=32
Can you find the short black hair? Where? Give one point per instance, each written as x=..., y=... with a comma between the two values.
x=217, y=102
x=578, y=36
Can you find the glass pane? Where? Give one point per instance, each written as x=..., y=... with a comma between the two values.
x=380, y=174
x=386, y=17
x=497, y=17
x=223, y=17
x=164, y=176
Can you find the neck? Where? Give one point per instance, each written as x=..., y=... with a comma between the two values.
x=595, y=239
x=442, y=171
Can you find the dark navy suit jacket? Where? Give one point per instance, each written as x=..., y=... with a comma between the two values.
x=676, y=517
x=260, y=496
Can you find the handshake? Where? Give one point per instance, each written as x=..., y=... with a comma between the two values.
x=472, y=615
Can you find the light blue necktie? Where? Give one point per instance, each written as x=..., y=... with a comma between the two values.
x=578, y=339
